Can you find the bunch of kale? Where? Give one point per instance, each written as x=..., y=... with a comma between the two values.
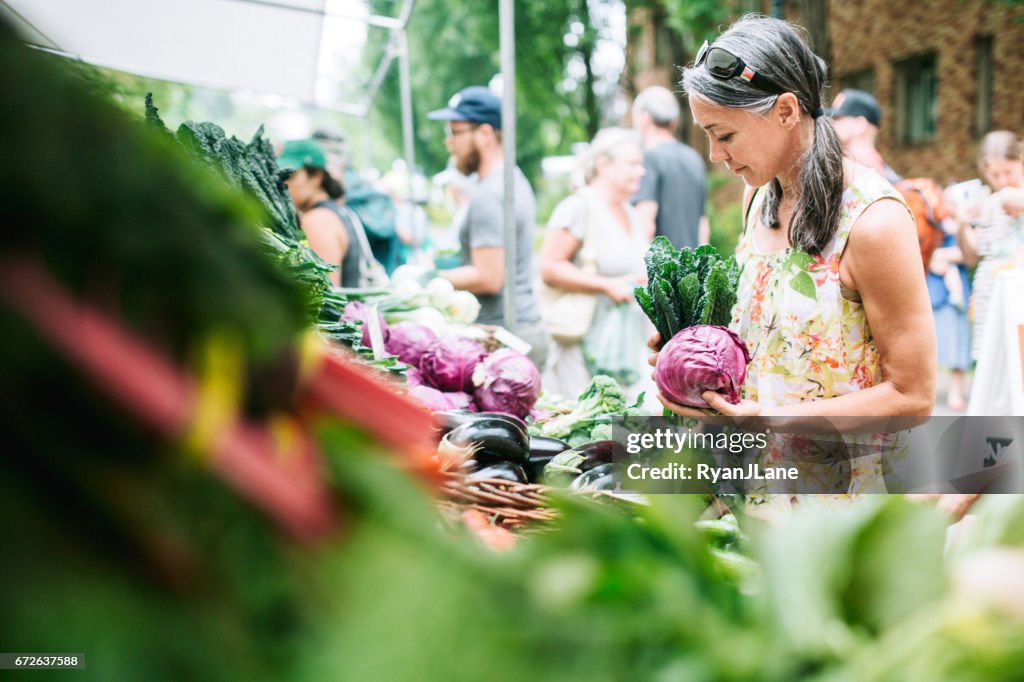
x=687, y=287
x=252, y=168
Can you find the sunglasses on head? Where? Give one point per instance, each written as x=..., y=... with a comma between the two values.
x=724, y=65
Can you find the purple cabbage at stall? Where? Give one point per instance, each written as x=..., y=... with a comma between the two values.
x=409, y=341
x=356, y=311
x=506, y=381
x=448, y=363
x=441, y=401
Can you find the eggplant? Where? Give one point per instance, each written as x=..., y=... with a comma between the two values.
x=507, y=417
x=589, y=480
x=566, y=466
x=446, y=421
x=542, y=445
x=542, y=450
x=600, y=452
x=489, y=440
x=506, y=471
x=452, y=419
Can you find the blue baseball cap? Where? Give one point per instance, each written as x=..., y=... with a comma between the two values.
x=475, y=104
x=851, y=102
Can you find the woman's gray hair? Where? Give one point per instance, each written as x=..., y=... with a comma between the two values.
x=607, y=144
x=777, y=50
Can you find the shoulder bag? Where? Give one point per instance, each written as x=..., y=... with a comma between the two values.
x=568, y=315
x=372, y=274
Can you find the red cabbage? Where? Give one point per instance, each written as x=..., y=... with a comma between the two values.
x=448, y=363
x=702, y=358
x=461, y=401
x=438, y=401
x=356, y=311
x=409, y=340
x=413, y=377
x=506, y=381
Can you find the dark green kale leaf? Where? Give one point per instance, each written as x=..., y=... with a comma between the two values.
x=689, y=293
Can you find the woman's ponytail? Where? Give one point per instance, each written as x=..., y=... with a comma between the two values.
x=821, y=179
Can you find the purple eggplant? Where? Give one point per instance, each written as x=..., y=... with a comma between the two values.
x=452, y=419
x=542, y=450
x=564, y=467
x=600, y=452
x=506, y=471
x=599, y=478
x=488, y=441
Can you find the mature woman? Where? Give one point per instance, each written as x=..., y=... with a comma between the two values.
x=831, y=305
x=614, y=343
x=994, y=240
x=315, y=192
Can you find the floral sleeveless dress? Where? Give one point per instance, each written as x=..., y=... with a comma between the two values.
x=809, y=339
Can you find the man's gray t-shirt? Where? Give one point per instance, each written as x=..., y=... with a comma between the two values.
x=483, y=227
x=675, y=178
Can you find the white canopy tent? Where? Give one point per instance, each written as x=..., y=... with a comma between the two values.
x=266, y=46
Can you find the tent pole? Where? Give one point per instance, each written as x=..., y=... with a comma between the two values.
x=506, y=29
x=407, y=130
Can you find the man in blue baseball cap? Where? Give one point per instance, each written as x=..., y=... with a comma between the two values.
x=473, y=138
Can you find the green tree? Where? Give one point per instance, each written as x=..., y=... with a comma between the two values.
x=561, y=95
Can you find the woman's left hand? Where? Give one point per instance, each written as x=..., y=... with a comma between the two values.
x=717, y=402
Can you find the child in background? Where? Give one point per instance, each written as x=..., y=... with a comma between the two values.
x=991, y=235
x=949, y=289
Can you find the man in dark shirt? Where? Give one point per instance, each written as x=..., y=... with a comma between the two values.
x=674, y=189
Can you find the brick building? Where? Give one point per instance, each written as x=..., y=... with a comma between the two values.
x=944, y=71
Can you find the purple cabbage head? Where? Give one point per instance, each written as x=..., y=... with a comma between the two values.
x=413, y=377
x=409, y=340
x=506, y=381
x=449, y=362
x=702, y=358
x=356, y=311
x=439, y=401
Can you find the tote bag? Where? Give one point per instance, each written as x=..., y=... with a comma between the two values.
x=568, y=315
x=372, y=274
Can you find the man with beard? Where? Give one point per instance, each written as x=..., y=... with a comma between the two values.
x=473, y=138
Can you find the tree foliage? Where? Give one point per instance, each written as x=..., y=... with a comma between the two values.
x=455, y=43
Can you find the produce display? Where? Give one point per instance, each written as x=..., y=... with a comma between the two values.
x=198, y=485
x=424, y=327
x=252, y=168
